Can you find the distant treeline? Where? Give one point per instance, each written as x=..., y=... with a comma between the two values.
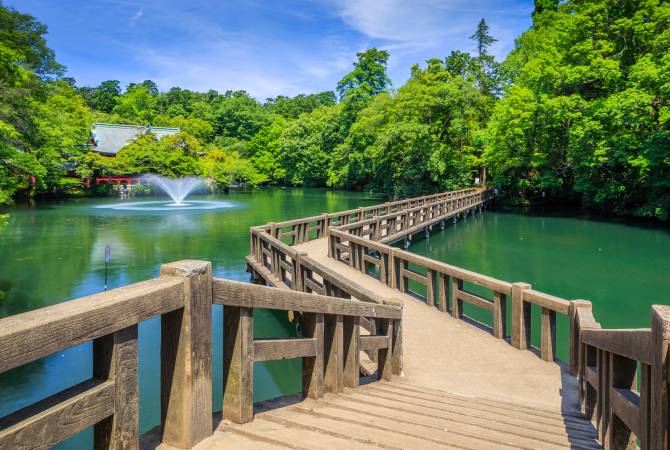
x=577, y=112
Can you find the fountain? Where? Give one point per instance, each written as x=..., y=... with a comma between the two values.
x=178, y=189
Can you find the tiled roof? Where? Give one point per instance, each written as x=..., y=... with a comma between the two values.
x=110, y=138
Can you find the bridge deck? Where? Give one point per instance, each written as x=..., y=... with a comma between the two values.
x=449, y=354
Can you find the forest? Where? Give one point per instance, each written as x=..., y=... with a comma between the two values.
x=577, y=113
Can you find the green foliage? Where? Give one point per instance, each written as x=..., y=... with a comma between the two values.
x=420, y=140
x=307, y=145
x=587, y=114
x=172, y=156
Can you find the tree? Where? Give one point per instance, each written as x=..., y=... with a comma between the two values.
x=138, y=103
x=482, y=38
x=102, y=98
x=587, y=116
x=368, y=77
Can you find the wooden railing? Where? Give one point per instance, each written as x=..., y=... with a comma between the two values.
x=623, y=379
x=298, y=231
x=605, y=361
x=182, y=297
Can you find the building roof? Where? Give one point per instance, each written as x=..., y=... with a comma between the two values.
x=109, y=138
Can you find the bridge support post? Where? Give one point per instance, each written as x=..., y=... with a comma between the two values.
x=351, y=340
x=384, y=367
x=186, y=358
x=548, y=331
x=115, y=359
x=660, y=413
x=312, y=367
x=396, y=346
x=520, y=317
x=333, y=354
x=238, y=364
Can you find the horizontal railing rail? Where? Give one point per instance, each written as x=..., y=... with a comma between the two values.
x=623, y=379
x=182, y=297
x=298, y=231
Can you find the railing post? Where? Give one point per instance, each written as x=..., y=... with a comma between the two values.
x=622, y=375
x=575, y=340
x=384, y=366
x=186, y=358
x=312, y=367
x=333, y=378
x=548, y=338
x=520, y=317
x=456, y=304
x=238, y=364
x=430, y=287
x=443, y=291
x=499, y=314
x=660, y=415
x=351, y=341
x=396, y=348
x=115, y=359
x=324, y=226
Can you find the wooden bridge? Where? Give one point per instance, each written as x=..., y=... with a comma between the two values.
x=388, y=357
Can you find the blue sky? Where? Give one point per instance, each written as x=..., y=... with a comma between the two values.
x=265, y=47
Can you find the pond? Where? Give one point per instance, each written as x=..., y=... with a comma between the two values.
x=55, y=252
x=622, y=267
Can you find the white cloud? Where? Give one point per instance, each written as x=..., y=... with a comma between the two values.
x=135, y=17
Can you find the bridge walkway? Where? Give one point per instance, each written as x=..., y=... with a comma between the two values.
x=445, y=353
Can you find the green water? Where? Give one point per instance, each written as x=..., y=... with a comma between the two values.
x=55, y=252
x=623, y=268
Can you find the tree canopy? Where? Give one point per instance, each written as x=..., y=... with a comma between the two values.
x=577, y=112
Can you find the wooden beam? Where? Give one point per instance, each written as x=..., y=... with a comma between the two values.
x=233, y=293
x=186, y=357
x=238, y=364
x=384, y=366
x=115, y=359
x=351, y=347
x=631, y=343
x=275, y=349
x=333, y=357
x=520, y=317
x=33, y=335
x=374, y=342
x=474, y=299
x=56, y=418
x=312, y=367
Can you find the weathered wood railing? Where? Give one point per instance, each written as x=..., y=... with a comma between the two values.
x=182, y=297
x=298, y=231
x=611, y=366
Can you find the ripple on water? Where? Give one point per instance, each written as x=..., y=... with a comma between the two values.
x=168, y=205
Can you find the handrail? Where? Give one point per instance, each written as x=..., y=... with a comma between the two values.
x=608, y=378
x=182, y=297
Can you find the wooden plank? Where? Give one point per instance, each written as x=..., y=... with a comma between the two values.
x=499, y=314
x=115, y=359
x=333, y=357
x=351, y=350
x=385, y=356
x=591, y=375
x=233, y=293
x=186, y=357
x=56, y=418
x=660, y=399
x=36, y=334
x=238, y=364
x=312, y=367
x=557, y=304
x=520, y=317
x=374, y=342
x=274, y=349
x=548, y=334
x=626, y=405
x=474, y=299
x=631, y=343
x=407, y=273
